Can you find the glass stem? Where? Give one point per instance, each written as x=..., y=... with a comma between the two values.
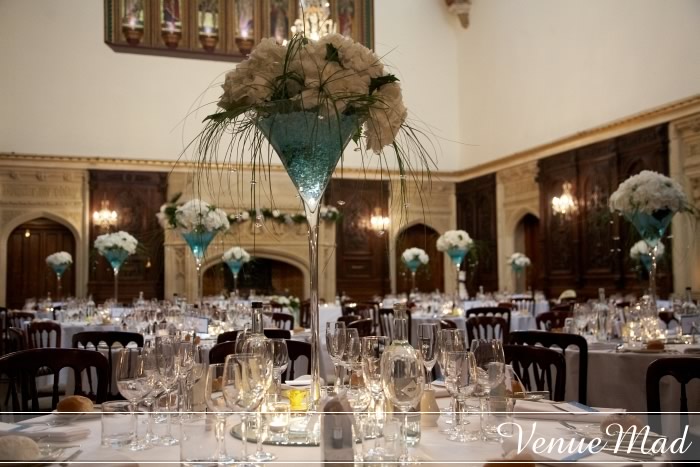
x=457, y=288
x=652, y=276
x=199, y=282
x=220, y=428
x=235, y=284
x=404, y=436
x=313, y=217
x=413, y=282
x=244, y=436
x=58, y=287
x=168, y=405
x=134, y=424
x=151, y=409
x=116, y=286
x=259, y=426
x=337, y=368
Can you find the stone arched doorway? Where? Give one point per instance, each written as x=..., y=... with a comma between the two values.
x=28, y=276
x=430, y=278
x=527, y=241
x=266, y=276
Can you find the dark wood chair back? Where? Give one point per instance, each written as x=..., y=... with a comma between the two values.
x=39, y=334
x=524, y=304
x=553, y=319
x=509, y=305
x=283, y=320
x=534, y=367
x=91, y=340
x=563, y=341
x=23, y=367
x=16, y=340
x=567, y=307
x=683, y=369
x=502, y=312
x=386, y=323
x=668, y=317
x=228, y=336
x=16, y=319
x=218, y=353
x=296, y=350
x=347, y=319
x=363, y=326
x=487, y=327
x=272, y=333
x=305, y=314
x=447, y=324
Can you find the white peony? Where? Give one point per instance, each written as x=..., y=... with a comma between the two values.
x=198, y=215
x=411, y=254
x=118, y=240
x=454, y=239
x=61, y=257
x=647, y=192
x=641, y=248
x=236, y=253
x=519, y=260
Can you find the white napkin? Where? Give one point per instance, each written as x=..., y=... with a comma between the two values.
x=546, y=410
x=440, y=389
x=56, y=434
x=304, y=381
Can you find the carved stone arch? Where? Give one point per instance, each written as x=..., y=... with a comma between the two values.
x=515, y=216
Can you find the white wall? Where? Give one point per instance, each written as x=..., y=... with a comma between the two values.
x=537, y=70
x=64, y=92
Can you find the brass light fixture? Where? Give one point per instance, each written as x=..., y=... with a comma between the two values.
x=378, y=222
x=565, y=205
x=105, y=218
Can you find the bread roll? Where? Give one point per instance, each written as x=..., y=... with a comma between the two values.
x=75, y=404
x=18, y=448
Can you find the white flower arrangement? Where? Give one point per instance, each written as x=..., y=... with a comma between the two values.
x=236, y=253
x=333, y=76
x=329, y=213
x=519, y=260
x=647, y=192
x=642, y=248
x=458, y=239
x=411, y=254
x=194, y=215
x=59, y=258
x=117, y=240
x=289, y=301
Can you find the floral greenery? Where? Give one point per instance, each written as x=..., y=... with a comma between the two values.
x=328, y=213
x=333, y=78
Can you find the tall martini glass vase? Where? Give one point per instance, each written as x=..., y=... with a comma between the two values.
x=235, y=266
x=651, y=228
x=310, y=147
x=413, y=266
x=59, y=269
x=116, y=257
x=457, y=256
x=198, y=242
x=518, y=272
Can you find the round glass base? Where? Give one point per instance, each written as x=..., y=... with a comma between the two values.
x=168, y=441
x=262, y=456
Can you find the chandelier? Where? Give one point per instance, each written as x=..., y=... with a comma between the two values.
x=104, y=218
x=316, y=19
x=565, y=204
x=379, y=223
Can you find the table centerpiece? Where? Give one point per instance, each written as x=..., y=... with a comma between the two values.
x=235, y=258
x=59, y=262
x=456, y=243
x=414, y=258
x=116, y=248
x=518, y=262
x=641, y=254
x=308, y=99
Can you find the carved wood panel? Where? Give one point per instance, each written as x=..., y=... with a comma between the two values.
x=362, y=261
x=591, y=249
x=476, y=213
x=137, y=197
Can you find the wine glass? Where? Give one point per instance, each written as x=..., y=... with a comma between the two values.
x=214, y=397
x=460, y=380
x=450, y=340
x=581, y=317
x=246, y=379
x=150, y=400
x=427, y=340
x=372, y=349
x=241, y=339
x=134, y=383
x=351, y=354
x=166, y=358
x=280, y=361
x=403, y=377
x=490, y=364
x=335, y=343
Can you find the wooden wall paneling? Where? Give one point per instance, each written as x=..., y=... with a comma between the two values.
x=476, y=213
x=362, y=261
x=137, y=197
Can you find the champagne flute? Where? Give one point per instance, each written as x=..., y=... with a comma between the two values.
x=372, y=349
x=450, y=340
x=134, y=383
x=185, y=363
x=460, y=380
x=166, y=357
x=351, y=352
x=427, y=340
x=214, y=397
x=403, y=377
x=335, y=343
x=280, y=361
x=150, y=400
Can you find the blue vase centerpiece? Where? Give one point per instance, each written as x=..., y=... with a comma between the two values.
x=116, y=257
x=235, y=258
x=198, y=240
x=309, y=146
x=457, y=256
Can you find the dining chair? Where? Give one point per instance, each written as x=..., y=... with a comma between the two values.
x=16, y=319
x=228, y=336
x=363, y=326
x=683, y=369
x=283, y=320
x=500, y=311
x=296, y=350
x=538, y=368
x=447, y=324
x=273, y=333
x=553, y=319
x=16, y=340
x=91, y=340
x=305, y=314
x=525, y=304
x=218, y=353
x=566, y=307
x=563, y=341
x=347, y=319
x=386, y=323
x=668, y=317
x=487, y=327
x=24, y=366
x=39, y=334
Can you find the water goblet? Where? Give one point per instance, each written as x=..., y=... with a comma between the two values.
x=428, y=346
x=280, y=361
x=166, y=358
x=134, y=383
x=214, y=397
x=460, y=380
x=372, y=349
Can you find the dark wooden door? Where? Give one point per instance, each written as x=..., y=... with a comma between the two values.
x=428, y=278
x=531, y=229
x=264, y=275
x=28, y=275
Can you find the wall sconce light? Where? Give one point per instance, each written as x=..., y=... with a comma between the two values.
x=27, y=233
x=461, y=9
x=104, y=218
x=378, y=222
x=565, y=205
